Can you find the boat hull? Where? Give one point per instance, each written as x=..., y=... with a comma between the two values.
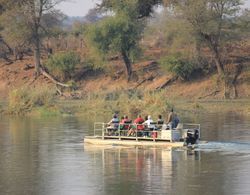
x=97, y=140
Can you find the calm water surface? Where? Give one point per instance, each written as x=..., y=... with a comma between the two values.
x=47, y=156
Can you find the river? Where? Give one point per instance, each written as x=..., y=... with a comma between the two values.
x=47, y=156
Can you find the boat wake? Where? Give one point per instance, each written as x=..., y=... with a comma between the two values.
x=231, y=147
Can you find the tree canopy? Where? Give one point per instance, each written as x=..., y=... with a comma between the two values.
x=122, y=30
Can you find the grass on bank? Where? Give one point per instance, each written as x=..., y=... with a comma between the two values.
x=43, y=101
x=129, y=103
x=24, y=100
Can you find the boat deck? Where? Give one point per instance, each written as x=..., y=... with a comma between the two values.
x=167, y=138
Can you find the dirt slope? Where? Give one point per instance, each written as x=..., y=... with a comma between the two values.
x=148, y=77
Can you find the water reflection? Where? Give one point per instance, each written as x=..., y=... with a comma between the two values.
x=142, y=170
x=229, y=126
x=47, y=156
x=160, y=171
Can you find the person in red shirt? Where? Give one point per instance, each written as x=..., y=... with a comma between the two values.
x=125, y=123
x=137, y=125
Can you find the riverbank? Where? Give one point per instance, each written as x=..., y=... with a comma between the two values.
x=99, y=93
x=96, y=108
x=149, y=76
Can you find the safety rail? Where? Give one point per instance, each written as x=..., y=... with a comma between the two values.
x=103, y=130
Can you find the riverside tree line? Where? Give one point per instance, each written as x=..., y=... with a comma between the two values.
x=198, y=36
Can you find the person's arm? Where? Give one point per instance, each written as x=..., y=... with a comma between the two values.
x=111, y=121
x=170, y=117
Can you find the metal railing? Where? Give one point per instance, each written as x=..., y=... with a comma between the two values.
x=103, y=130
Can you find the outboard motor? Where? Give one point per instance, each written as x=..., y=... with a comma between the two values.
x=192, y=136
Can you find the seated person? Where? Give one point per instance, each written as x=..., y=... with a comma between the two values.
x=150, y=125
x=138, y=125
x=113, y=123
x=125, y=123
x=160, y=122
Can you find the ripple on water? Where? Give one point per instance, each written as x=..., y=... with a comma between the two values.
x=231, y=147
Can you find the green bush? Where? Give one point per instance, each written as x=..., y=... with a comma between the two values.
x=181, y=67
x=62, y=65
x=24, y=100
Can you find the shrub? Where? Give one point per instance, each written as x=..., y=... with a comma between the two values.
x=62, y=65
x=181, y=67
x=23, y=100
x=127, y=102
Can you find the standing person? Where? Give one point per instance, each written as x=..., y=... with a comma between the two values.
x=176, y=121
x=170, y=120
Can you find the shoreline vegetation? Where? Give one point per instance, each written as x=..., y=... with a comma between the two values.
x=44, y=102
x=132, y=61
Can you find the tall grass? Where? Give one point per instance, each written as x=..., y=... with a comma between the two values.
x=130, y=103
x=25, y=99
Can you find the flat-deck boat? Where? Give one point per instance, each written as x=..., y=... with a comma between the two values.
x=184, y=134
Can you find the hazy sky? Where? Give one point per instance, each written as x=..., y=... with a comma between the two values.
x=77, y=7
x=81, y=7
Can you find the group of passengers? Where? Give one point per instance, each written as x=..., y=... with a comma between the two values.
x=139, y=124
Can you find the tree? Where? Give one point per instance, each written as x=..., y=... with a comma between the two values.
x=212, y=22
x=122, y=31
x=34, y=16
x=93, y=15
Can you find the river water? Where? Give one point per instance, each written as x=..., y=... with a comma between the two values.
x=47, y=156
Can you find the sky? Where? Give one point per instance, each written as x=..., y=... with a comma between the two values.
x=77, y=7
x=81, y=7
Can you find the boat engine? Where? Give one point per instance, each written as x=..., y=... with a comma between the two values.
x=192, y=136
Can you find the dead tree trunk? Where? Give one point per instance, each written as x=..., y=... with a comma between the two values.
x=37, y=54
x=230, y=81
x=44, y=73
x=127, y=64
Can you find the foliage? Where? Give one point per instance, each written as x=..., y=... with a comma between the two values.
x=78, y=28
x=35, y=19
x=115, y=34
x=23, y=100
x=122, y=30
x=144, y=8
x=126, y=102
x=15, y=32
x=62, y=65
x=181, y=67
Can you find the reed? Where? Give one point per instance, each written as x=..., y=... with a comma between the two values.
x=129, y=103
x=24, y=100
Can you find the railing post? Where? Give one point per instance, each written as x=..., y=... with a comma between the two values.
x=103, y=127
x=119, y=131
x=171, y=135
x=136, y=132
x=199, y=131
